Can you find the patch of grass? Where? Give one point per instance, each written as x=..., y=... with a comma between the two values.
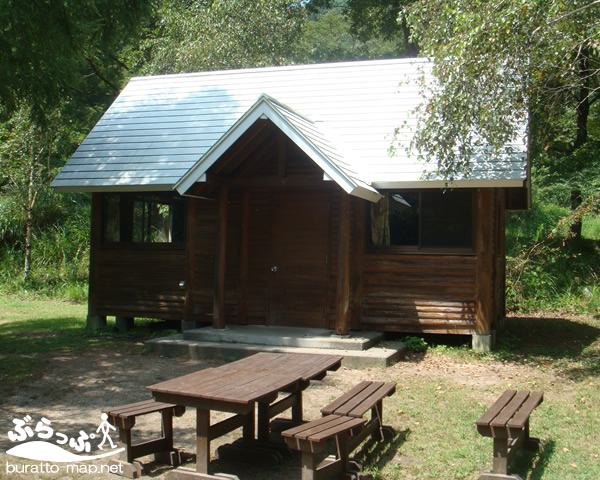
x=560, y=356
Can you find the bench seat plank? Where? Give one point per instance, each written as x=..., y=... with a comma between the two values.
x=509, y=414
x=324, y=428
x=522, y=416
x=360, y=399
x=495, y=409
x=139, y=408
x=509, y=410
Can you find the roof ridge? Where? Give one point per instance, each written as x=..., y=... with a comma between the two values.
x=297, y=66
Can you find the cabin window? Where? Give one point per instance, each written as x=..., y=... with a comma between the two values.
x=143, y=218
x=425, y=220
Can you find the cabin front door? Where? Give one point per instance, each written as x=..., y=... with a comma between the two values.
x=298, y=279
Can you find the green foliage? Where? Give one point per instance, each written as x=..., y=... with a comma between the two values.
x=52, y=50
x=415, y=344
x=371, y=20
x=327, y=37
x=222, y=34
x=495, y=63
x=60, y=248
x=544, y=272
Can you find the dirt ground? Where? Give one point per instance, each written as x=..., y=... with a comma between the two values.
x=76, y=388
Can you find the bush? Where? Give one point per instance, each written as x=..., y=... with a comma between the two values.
x=415, y=344
x=60, y=250
x=544, y=270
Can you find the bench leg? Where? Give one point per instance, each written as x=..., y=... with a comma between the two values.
x=331, y=467
x=502, y=452
x=500, y=464
x=308, y=466
x=169, y=455
x=125, y=440
x=127, y=467
x=380, y=432
x=328, y=469
x=530, y=443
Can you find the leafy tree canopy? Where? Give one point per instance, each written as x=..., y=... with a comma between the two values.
x=327, y=36
x=498, y=61
x=374, y=19
x=196, y=35
x=51, y=49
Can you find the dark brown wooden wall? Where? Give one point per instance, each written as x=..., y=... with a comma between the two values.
x=140, y=283
x=389, y=291
x=418, y=293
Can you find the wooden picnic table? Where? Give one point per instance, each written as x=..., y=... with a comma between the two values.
x=236, y=388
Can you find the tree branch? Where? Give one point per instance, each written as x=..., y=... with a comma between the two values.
x=567, y=15
x=102, y=77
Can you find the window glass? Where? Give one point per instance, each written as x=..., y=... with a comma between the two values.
x=112, y=218
x=426, y=219
x=143, y=218
x=446, y=219
x=404, y=218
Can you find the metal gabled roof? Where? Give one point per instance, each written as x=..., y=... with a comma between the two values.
x=302, y=131
x=156, y=134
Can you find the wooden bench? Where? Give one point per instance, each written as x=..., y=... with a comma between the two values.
x=507, y=422
x=311, y=438
x=343, y=421
x=124, y=417
x=364, y=397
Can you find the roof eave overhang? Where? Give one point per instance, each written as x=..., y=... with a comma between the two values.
x=466, y=183
x=111, y=188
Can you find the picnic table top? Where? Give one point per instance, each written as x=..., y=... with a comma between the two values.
x=251, y=379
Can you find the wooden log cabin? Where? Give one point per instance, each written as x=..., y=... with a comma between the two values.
x=269, y=196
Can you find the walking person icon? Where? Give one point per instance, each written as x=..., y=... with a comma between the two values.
x=105, y=427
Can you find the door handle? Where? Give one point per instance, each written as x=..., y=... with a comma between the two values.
x=274, y=268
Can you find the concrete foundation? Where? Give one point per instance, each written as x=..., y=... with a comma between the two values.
x=359, y=349
x=95, y=322
x=484, y=343
x=124, y=323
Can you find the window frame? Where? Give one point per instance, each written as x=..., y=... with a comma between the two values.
x=126, y=202
x=419, y=248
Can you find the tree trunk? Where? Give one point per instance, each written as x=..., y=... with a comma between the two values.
x=31, y=196
x=581, y=137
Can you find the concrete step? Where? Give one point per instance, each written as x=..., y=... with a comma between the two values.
x=285, y=337
x=382, y=355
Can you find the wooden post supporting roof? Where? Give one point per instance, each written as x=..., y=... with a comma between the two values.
x=343, y=267
x=486, y=245
x=501, y=257
x=357, y=251
x=190, y=255
x=244, y=239
x=220, y=257
x=94, y=320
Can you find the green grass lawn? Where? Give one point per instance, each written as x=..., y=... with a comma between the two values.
x=440, y=393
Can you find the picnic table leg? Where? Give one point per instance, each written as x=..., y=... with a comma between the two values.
x=263, y=422
x=297, y=408
x=248, y=427
x=202, y=440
